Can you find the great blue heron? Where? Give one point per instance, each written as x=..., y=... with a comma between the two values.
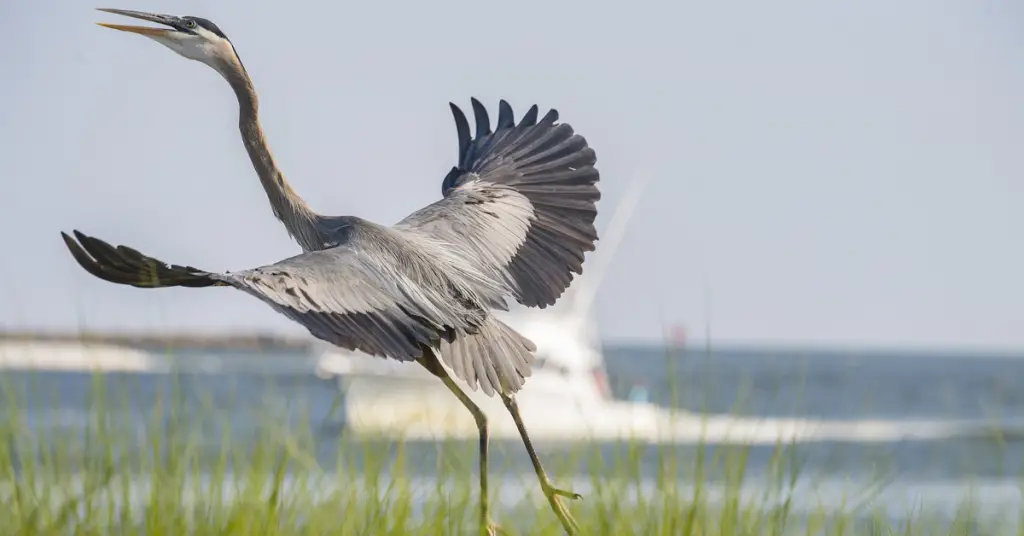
x=516, y=218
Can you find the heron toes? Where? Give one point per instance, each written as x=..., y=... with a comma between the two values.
x=493, y=529
x=554, y=497
x=567, y=494
x=551, y=491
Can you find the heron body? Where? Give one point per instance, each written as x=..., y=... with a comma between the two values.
x=514, y=222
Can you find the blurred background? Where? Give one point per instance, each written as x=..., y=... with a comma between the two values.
x=818, y=206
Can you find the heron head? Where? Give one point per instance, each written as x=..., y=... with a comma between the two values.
x=195, y=38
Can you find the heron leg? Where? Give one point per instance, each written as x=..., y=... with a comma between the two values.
x=552, y=493
x=431, y=363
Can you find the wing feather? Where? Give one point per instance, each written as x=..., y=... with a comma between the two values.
x=345, y=295
x=521, y=202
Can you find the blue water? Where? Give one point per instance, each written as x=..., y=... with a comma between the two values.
x=837, y=386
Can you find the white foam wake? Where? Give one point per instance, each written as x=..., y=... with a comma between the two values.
x=415, y=410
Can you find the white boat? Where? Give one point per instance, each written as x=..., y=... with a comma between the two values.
x=388, y=398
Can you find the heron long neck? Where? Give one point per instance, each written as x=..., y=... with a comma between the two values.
x=300, y=220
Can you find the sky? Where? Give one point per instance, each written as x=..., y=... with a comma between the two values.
x=822, y=173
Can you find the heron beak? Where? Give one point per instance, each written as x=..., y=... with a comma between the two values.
x=142, y=30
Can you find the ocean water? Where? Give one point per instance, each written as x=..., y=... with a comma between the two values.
x=901, y=476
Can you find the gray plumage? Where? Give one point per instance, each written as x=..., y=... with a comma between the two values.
x=516, y=218
x=514, y=222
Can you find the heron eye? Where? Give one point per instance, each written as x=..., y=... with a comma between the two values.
x=190, y=24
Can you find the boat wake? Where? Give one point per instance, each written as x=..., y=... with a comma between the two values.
x=421, y=412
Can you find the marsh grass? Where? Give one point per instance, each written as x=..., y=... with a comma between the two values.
x=185, y=465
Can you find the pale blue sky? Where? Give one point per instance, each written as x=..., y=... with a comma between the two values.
x=850, y=173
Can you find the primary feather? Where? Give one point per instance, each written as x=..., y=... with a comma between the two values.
x=521, y=201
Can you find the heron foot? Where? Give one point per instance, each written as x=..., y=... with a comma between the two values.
x=554, y=496
x=493, y=529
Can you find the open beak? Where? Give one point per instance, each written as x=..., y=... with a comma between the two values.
x=142, y=30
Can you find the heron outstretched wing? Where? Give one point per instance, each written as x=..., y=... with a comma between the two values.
x=341, y=295
x=521, y=201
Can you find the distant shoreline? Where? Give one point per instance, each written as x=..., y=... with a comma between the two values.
x=253, y=341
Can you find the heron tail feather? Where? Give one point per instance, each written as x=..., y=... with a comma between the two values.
x=496, y=357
